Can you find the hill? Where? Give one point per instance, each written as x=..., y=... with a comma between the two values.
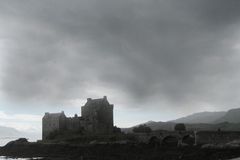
x=224, y=120
x=201, y=117
x=232, y=116
x=8, y=132
x=153, y=125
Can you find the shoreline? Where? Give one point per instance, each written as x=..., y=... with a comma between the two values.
x=115, y=152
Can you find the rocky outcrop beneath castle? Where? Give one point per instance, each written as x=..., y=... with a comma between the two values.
x=115, y=151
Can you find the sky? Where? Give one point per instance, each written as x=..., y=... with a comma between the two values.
x=154, y=60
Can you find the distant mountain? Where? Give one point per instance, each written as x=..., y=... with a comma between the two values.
x=8, y=132
x=225, y=126
x=229, y=121
x=232, y=116
x=153, y=125
x=201, y=117
x=160, y=125
x=169, y=126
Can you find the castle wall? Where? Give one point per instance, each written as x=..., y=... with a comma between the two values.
x=105, y=119
x=52, y=123
x=77, y=124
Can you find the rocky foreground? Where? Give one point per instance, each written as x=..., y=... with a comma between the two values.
x=116, y=152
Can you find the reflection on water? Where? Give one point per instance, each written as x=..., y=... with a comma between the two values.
x=8, y=158
x=5, y=158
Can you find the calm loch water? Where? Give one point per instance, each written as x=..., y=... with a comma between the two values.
x=7, y=158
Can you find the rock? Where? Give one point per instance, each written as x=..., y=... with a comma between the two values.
x=16, y=142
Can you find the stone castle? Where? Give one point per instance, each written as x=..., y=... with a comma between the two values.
x=96, y=117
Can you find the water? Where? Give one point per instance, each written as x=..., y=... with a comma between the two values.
x=7, y=158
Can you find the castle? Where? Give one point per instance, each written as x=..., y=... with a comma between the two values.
x=96, y=117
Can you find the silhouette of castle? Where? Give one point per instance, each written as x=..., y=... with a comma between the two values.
x=96, y=117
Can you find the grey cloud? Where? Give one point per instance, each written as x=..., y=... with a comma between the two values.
x=177, y=51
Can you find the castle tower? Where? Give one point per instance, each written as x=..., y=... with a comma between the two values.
x=52, y=122
x=100, y=114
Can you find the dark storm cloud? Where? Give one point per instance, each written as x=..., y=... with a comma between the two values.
x=174, y=51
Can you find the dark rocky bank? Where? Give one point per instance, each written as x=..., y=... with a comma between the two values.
x=115, y=152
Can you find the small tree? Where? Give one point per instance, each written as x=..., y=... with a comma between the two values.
x=142, y=129
x=180, y=127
